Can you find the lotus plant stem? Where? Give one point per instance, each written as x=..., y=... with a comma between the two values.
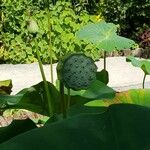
x=63, y=100
x=50, y=44
x=104, y=60
x=144, y=80
x=50, y=108
x=68, y=98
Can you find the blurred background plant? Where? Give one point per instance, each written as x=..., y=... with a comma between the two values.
x=67, y=17
x=144, y=40
x=131, y=15
x=17, y=42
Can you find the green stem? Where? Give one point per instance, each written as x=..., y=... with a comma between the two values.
x=50, y=44
x=104, y=60
x=68, y=98
x=63, y=102
x=144, y=80
x=48, y=97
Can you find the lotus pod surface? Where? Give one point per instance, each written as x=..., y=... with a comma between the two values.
x=77, y=71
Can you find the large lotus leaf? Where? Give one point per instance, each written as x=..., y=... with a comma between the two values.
x=135, y=62
x=121, y=127
x=104, y=36
x=97, y=90
x=15, y=128
x=32, y=99
x=134, y=96
x=96, y=32
x=5, y=87
x=143, y=64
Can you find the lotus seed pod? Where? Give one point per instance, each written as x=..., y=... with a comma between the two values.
x=32, y=26
x=77, y=71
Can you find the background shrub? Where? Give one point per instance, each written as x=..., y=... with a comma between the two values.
x=18, y=44
x=133, y=16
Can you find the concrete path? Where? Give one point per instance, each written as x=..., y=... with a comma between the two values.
x=122, y=75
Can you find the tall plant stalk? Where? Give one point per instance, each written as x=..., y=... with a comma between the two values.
x=68, y=98
x=63, y=100
x=143, y=85
x=50, y=44
x=105, y=60
x=48, y=97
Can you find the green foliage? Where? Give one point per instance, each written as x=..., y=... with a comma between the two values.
x=104, y=36
x=119, y=127
x=18, y=43
x=131, y=15
x=34, y=98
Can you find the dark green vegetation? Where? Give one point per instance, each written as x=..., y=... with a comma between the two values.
x=91, y=125
x=120, y=127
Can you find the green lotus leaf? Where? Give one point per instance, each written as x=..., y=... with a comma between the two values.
x=15, y=128
x=134, y=96
x=143, y=64
x=120, y=127
x=32, y=98
x=104, y=36
x=97, y=90
x=146, y=66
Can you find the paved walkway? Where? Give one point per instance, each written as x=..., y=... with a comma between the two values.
x=122, y=75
